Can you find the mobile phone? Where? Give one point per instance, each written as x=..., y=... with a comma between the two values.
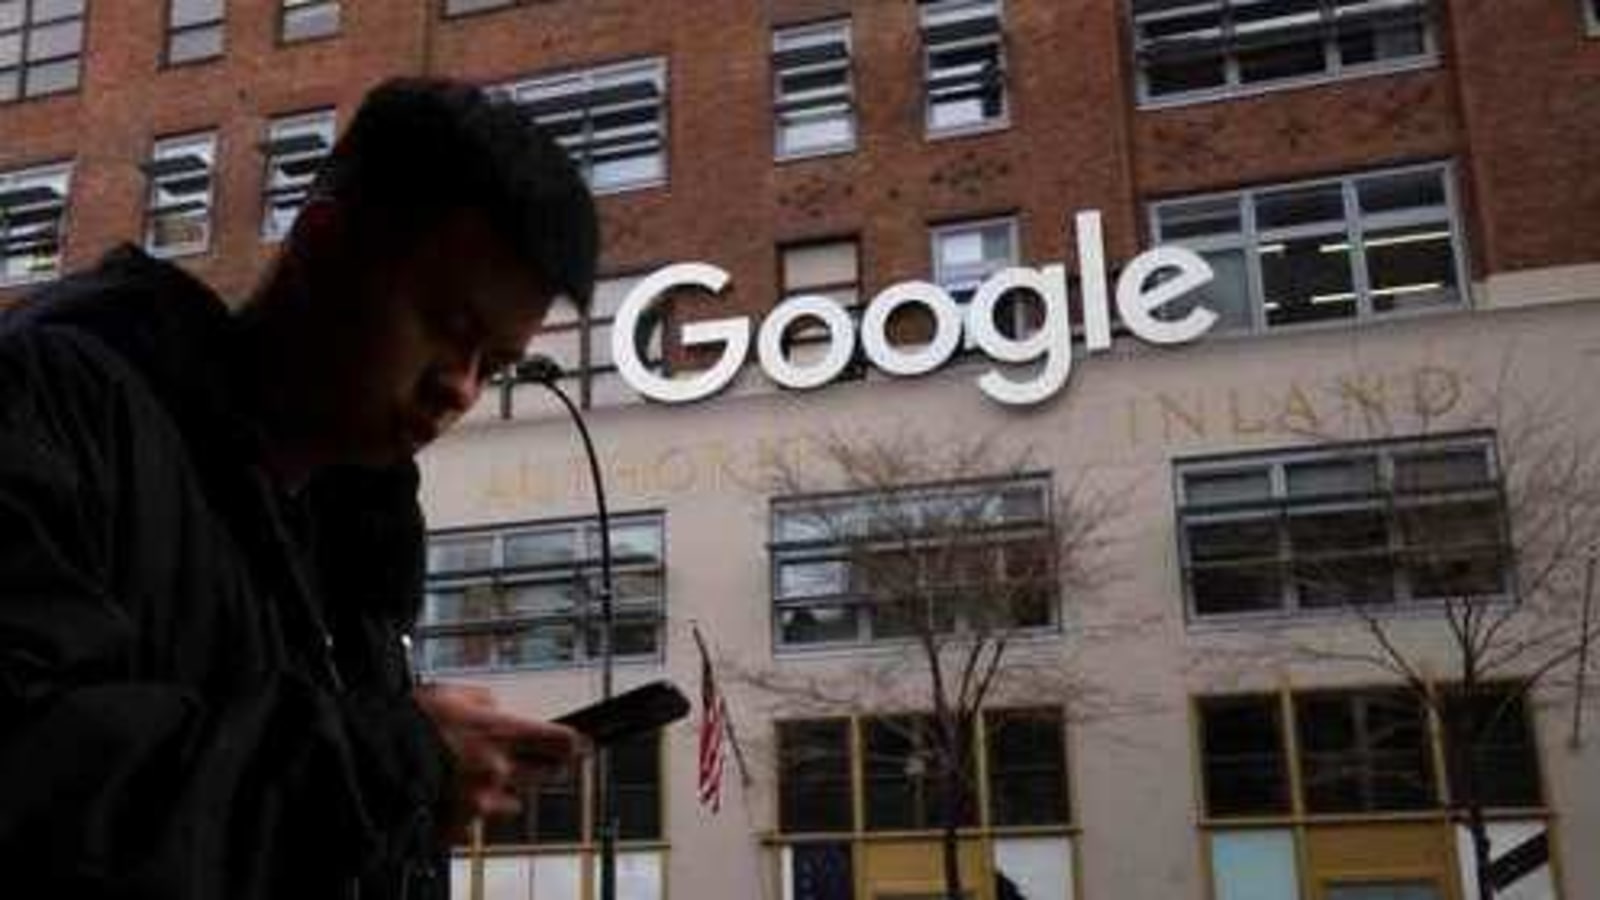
x=643, y=709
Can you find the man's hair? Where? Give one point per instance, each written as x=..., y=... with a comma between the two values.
x=420, y=150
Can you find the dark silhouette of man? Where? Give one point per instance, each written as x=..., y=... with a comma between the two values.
x=210, y=544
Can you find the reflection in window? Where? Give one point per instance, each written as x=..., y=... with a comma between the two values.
x=1211, y=48
x=295, y=149
x=964, y=77
x=1385, y=523
x=813, y=97
x=41, y=47
x=1361, y=247
x=529, y=596
x=33, y=205
x=178, y=208
x=611, y=120
x=194, y=30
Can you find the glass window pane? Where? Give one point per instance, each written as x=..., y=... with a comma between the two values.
x=1401, y=191
x=813, y=579
x=196, y=43
x=48, y=10
x=1227, y=294
x=641, y=540
x=537, y=548
x=1411, y=267
x=1255, y=865
x=1233, y=540
x=51, y=41
x=1364, y=752
x=814, y=776
x=1220, y=590
x=815, y=624
x=447, y=554
x=310, y=21
x=10, y=49
x=1200, y=218
x=1312, y=205
x=1307, y=280
x=563, y=347
x=1027, y=767
x=11, y=14
x=1493, y=729
x=819, y=265
x=1323, y=478
x=1182, y=74
x=53, y=77
x=1211, y=488
x=1242, y=748
x=1434, y=471
x=193, y=12
x=1292, y=59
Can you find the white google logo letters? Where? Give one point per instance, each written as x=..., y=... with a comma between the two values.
x=1138, y=296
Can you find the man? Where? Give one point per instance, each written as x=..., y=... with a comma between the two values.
x=210, y=545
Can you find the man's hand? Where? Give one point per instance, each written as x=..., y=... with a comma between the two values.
x=496, y=753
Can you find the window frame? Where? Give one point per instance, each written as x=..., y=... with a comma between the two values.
x=805, y=33
x=555, y=85
x=1248, y=241
x=586, y=376
x=579, y=618
x=322, y=123
x=784, y=553
x=584, y=786
x=1234, y=87
x=25, y=67
x=1280, y=508
x=38, y=177
x=286, y=8
x=160, y=149
x=172, y=31
x=998, y=39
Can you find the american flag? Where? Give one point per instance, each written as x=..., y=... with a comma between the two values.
x=713, y=735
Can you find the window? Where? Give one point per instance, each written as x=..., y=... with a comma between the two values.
x=1386, y=523
x=295, y=149
x=1591, y=9
x=963, y=72
x=1491, y=732
x=581, y=343
x=33, y=204
x=813, y=99
x=194, y=30
x=814, y=776
x=1209, y=48
x=1027, y=767
x=178, y=209
x=861, y=568
x=829, y=269
x=902, y=766
x=529, y=596
x=611, y=120
x=462, y=7
x=41, y=47
x=966, y=253
x=1364, y=752
x=1241, y=746
x=304, y=20
x=558, y=810
x=1361, y=248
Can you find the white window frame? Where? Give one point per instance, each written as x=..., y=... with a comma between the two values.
x=793, y=542
x=289, y=9
x=31, y=184
x=961, y=286
x=176, y=29
x=1280, y=507
x=21, y=35
x=1233, y=85
x=646, y=76
x=1249, y=240
x=290, y=173
x=170, y=166
x=934, y=14
x=583, y=614
x=814, y=37
x=582, y=374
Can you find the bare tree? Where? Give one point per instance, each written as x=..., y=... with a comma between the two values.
x=1510, y=579
x=954, y=549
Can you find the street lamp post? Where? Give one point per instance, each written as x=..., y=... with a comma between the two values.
x=542, y=370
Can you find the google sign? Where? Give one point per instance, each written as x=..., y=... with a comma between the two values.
x=1139, y=295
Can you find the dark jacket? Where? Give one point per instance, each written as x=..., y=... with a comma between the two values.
x=203, y=689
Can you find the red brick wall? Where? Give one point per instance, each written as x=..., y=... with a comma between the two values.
x=1525, y=83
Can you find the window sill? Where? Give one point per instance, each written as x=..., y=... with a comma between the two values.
x=1242, y=92
x=629, y=187
x=22, y=99
x=169, y=65
x=286, y=42
x=1436, y=814
x=788, y=839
